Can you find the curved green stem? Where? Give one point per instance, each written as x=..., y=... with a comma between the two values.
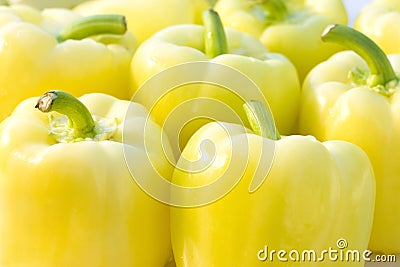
x=93, y=25
x=381, y=71
x=79, y=116
x=261, y=120
x=277, y=9
x=214, y=34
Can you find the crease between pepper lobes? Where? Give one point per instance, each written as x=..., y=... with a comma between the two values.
x=354, y=96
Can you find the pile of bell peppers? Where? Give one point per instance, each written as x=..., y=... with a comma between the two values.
x=95, y=172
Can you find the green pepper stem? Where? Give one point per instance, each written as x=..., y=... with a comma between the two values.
x=214, y=34
x=277, y=9
x=93, y=25
x=261, y=121
x=79, y=116
x=381, y=71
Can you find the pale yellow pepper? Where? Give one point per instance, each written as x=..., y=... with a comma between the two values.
x=289, y=27
x=378, y=20
x=268, y=194
x=273, y=74
x=146, y=17
x=67, y=196
x=40, y=51
x=355, y=96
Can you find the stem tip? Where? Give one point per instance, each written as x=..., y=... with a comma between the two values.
x=45, y=102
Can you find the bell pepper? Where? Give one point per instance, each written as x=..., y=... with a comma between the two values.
x=67, y=197
x=355, y=96
x=292, y=27
x=377, y=20
x=270, y=193
x=146, y=17
x=38, y=53
x=272, y=73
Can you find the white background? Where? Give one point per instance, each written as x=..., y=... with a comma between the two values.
x=353, y=7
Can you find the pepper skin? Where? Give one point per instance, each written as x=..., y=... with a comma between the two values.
x=377, y=20
x=42, y=4
x=274, y=74
x=68, y=199
x=315, y=194
x=146, y=17
x=34, y=59
x=357, y=99
x=289, y=27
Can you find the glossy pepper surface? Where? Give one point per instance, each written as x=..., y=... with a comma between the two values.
x=273, y=73
x=67, y=197
x=377, y=20
x=40, y=51
x=146, y=17
x=354, y=96
x=42, y=4
x=325, y=195
x=289, y=27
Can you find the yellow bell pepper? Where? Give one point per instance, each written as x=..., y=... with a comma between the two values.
x=274, y=74
x=290, y=27
x=292, y=194
x=356, y=97
x=377, y=20
x=37, y=53
x=146, y=17
x=67, y=197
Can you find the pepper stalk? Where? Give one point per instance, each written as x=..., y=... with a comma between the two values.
x=260, y=120
x=214, y=35
x=79, y=116
x=381, y=71
x=93, y=25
